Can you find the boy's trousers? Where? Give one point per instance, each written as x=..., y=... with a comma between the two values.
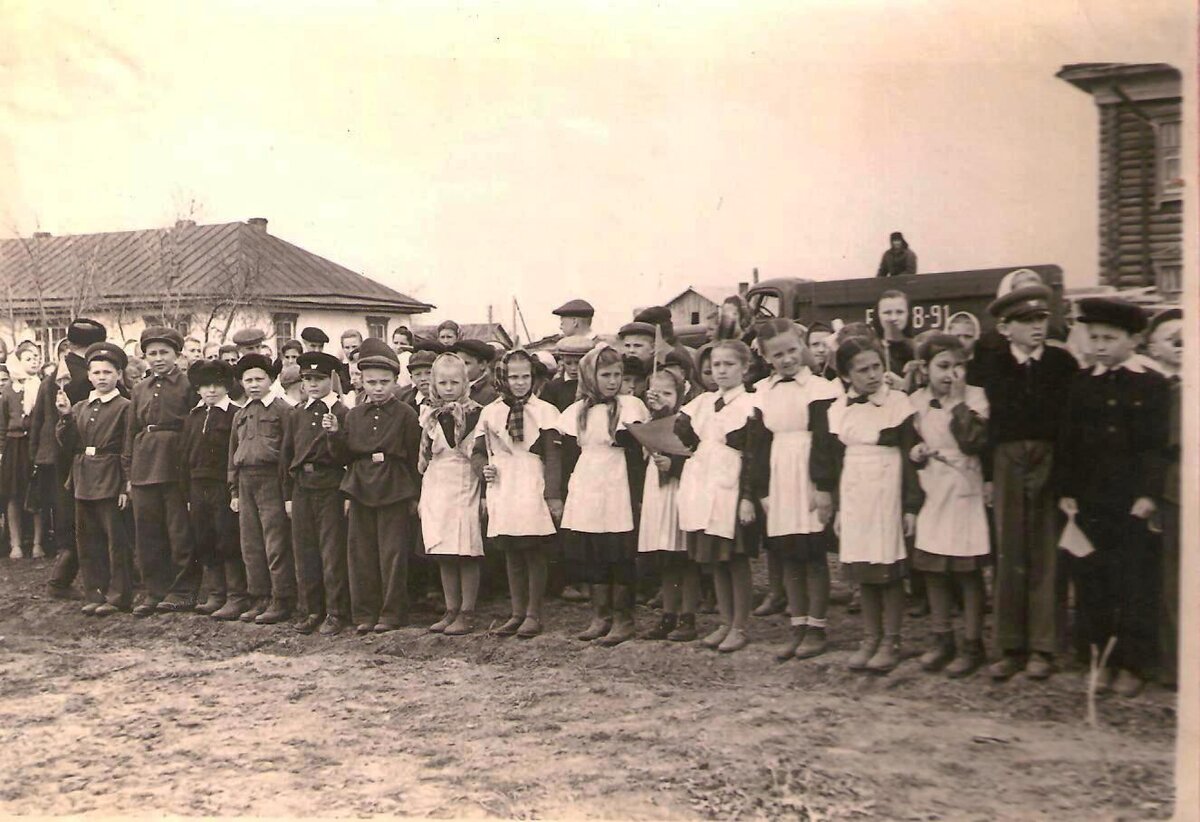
x=215, y=530
x=378, y=562
x=266, y=549
x=164, y=545
x=105, y=555
x=319, y=542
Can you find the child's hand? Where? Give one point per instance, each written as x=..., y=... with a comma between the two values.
x=345, y=508
x=893, y=380
x=745, y=512
x=329, y=422
x=837, y=524
x=919, y=453
x=62, y=403
x=122, y=501
x=765, y=502
x=662, y=462
x=287, y=508
x=1143, y=508
x=1068, y=506
x=556, y=510
x=910, y=524
x=490, y=473
x=823, y=505
x=233, y=505
x=989, y=494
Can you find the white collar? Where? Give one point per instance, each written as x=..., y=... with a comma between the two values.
x=732, y=394
x=222, y=403
x=329, y=399
x=291, y=402
x=1131, y=363
x=800, y=379
x=877, y=399
x=95, y=395
x=265, y=402
x=1021, y=357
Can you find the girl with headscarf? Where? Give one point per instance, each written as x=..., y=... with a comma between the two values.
x=606, y=468
x=517, y=447
x=450, y=495
x=16, y=458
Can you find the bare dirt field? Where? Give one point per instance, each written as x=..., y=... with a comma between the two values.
x=181, y=715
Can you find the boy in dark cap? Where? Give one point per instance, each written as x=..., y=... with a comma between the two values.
x=314, y=339
x=256, y=488
x=249, y=341
x=1026, y=385
x=1113, y=449
x=93, y=430
x=381, y=440
x=154, y=466
x=54, y=462
x=564, y=388
x=420, y=369
x=637, y=340
x=315, y=467
x=206, y=433
x=478, y=356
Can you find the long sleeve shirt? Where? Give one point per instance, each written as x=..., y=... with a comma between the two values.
x=382, y=443
x=206, y=433
x=257, y=438
x=1027, y=398
x=44, y=420
x=153, y=452
x=314, y=458
x=94, y=432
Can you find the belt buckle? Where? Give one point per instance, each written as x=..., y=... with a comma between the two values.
x=90, y=450
x=377, y=456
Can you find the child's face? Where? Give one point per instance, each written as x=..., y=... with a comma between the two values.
x=1166, y=345
x=965, y=331
x=212, y=394
x=192, y=350
x=355, y=374
x=945, y=372
x=316, y=386
x=377, y=383
x=893, y=313
x=706, y=375
x=1111, y=345
x=818, y=344
x=728, y=371
x=256, y=382
x=474, y=366
x=661, y=394
x=5, y=379
x=785, y=353
x=230, y=357
x=103, y=376
x=520, y=378
x=1027, y=334
x=631, y=385
x=350, y=345
x=290, y=356
x=161, y=357
x=28, y=360
x=133, y=374
x=608, y=380
x=570, y=365
x=421, y=379
x=635, y=345
x=449, y=383
x=212, y=352
x=866, y=372
x=312, y=346
x=447, y=337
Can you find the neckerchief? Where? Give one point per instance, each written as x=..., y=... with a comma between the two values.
x=589, y=391
x=516, y=405
x=449, y=415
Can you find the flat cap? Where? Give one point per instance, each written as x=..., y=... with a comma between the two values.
x=83, y=331
x=313, y=334
x=289, y=375
x=1112, y=311
x=575, y=346
x=1023, y=303
x=637, y=329
x=158, y=333
x=254, y=360
x=210, y=372
x=575, y=308
x=318, y=363
x=375, y=353
x=476, y=348
x=1165, y=316
x=421, y=359
x=107, y=352
x=249, y=336
x=655, y=315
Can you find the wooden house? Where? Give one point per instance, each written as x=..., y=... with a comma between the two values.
x=1140, y=108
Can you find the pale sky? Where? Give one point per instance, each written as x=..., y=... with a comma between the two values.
x=468, y=154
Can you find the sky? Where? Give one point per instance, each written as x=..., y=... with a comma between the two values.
x=470, y=153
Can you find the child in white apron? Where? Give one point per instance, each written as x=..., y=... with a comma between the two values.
x=864, y=458
x=449, y=506
x=606, y=469
x=715, y=505
x=517, y=438
x=660, y=539
x=952, y=530
x=794, y=403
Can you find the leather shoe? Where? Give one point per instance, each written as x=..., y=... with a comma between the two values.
x=462, y=625
x=511, y=627
x=309, y=624
x=332, y=626
x=530, y=628
x=211, y=604
x=1004, y=668
x=280, y=610
x=106, y=609
x=146, y=609
x=256, y=609
x=233, y=608
x=735, y=640
x=89, y=608
x=386, y=627
x=364, y=628
x=441, y=625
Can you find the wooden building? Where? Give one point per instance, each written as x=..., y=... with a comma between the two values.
x=1140, y=110
x=695, y=304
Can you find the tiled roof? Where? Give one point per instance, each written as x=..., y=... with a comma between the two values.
x=189, y=263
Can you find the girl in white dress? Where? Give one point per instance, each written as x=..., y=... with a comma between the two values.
x=660, y=539
x=952, y=530
x=517, y=441
x=864, y=458
x=715, y=498
x=606, y=468
x=794, y=403
x=449, y=506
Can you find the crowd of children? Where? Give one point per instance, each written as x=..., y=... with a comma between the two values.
x=298, y=489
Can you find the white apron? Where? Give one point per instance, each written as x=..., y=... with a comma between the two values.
x=598, y=500
x=709, y=489
x=953, y=519
x=659, y=529
x=449, y=505
x=516, y=503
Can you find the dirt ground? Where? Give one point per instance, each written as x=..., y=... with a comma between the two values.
x=181, y=715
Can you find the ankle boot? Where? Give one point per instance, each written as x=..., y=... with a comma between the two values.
x=664, y=628
x=213, y=584
x=623, y=626
x=601, y=615
x=886, y=657
x=685, y=629
x=814, y=644
x=941, y=652
x=969, y=661
x=789, y=649
x=279, y=611
x=233, y=608
x=866, y=650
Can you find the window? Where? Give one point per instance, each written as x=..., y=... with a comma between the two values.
x=767, y=304
x=1170, y=162
x=695, y=318
x=377, y=327
x=48, y=339
x=285, y=328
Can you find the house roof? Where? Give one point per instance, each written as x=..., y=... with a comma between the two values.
x=1087, y=76
x=488, y=332
x=188, y=263
x=715, y=294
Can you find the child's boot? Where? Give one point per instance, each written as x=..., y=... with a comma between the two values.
x=815, y=641
x=601, y=615
x=257, y=608
x=441, y=625
x=664, y=628
x=685, y=629
x=715, y=639
x=940, y=652
x=623, y=626
x=213, y=582
x=233, y=608
x=864, y=654
x=735, y=640
x=969, y=661
x=886, y=657
x=462, y=625
x=511, y=627
x=798, y=629
x=280, y=610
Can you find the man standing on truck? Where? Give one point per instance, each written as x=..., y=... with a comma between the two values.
x=898, y=259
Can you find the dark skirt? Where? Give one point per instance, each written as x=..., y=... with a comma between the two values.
x=528, y=543
x=16, y=469
x=707, y=549
x=874, y=573
x=600, y=559
x=938, y=564
x=810, y=549
x=653, y=562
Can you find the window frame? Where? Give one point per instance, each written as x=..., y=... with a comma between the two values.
x=378, y=320
x=278, y=317
x=1168, y=190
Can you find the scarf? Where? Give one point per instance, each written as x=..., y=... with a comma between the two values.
x=449, y=415
x=589, y=390
x=516, y=405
